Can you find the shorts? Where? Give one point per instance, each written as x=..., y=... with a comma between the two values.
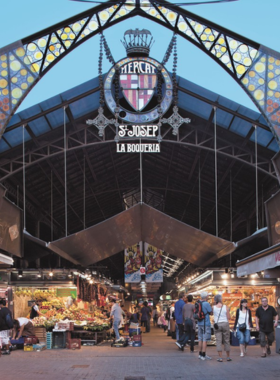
x=4, y=336
x=270, y=338
x=204, y=334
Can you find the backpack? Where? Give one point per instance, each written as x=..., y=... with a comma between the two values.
x=9, y=321
x=198, y=312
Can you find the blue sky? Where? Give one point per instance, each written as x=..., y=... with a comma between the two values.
x=255, y=19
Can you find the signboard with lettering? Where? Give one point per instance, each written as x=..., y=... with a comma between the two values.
x=66, y=292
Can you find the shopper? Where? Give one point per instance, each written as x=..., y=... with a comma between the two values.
x=189, y=325
x=221, y=327
x=116, y=316
x=155, y=315
x=145, y=316
x=6, y=323
x=163, y=321
x=22, y=327
x=264, y=324
x=179, y=314
x=243, y=324
x=204, y=326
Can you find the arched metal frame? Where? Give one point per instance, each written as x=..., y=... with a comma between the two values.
x=256, y=68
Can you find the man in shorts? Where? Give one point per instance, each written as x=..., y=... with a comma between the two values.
x=204, y=327
x=264, y=324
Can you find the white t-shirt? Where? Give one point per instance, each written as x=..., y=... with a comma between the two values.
x=35, y=307
x=23, y=321
x=241, y=319
x=223, y=315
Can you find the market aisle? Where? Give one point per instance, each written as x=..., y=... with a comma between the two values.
x=158, y=359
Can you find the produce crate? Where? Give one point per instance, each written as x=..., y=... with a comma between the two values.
x=136, y=344
x=65, y=326
x=39, y=347
x=59, y=339
x=30, y=340
x=73, y=344
x=40, y=332
x=137, y=338
x=28, y=347
x=49, y=340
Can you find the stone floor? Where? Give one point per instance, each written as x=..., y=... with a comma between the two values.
x=158, y=359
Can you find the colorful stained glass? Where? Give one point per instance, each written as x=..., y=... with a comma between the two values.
x=184, y=27
x=147, y=7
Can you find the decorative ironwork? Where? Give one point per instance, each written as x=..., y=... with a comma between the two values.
x=254, y=67
x=138, y=43
x=176, y=120
x=100, y=121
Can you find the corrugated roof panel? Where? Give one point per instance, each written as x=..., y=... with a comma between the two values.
x=3, y=146
x=274, y=146
x=248, y=112
x=197, y=89
x=30, y=112
x=14, y=137
x=56, y=118
x=14, y=120
x=240, y=126
x=228, y=103
x=50, y=103
x=82, y=88
x=223, y=118
x=39, y=126
x=263, y=136
x=195, y=106
x=85, y=105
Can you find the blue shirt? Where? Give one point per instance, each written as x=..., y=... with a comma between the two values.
x=179, y=311
x=206, y=308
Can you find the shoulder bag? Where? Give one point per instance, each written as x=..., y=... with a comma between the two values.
x=242, y=327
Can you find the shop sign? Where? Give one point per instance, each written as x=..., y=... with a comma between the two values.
x=66, y=292
x=132, y=263
x=153, y=263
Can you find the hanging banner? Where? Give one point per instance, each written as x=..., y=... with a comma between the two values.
x=132, y=263
x=153, y=261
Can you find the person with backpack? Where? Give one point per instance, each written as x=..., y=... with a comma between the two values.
x=179, y=314
x=202, y=310
x=6, y=323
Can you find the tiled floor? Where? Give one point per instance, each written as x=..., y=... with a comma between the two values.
x=158, y=359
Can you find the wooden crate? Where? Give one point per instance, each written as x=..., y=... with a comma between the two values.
x=41, y=333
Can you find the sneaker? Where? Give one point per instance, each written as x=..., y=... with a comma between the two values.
x=179, y=345
x=268, y=351
x=199, y=356
x=208, y=357
x=5, y=352
x=242, y=354
x=203, y=357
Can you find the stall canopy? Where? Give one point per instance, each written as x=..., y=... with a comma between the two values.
x=142, y=223
x=266, y=259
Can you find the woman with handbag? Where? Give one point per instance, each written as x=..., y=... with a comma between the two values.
x=221, y=327
x=243, y=324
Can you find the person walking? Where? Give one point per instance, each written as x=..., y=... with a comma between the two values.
x=116, y=316
x=243, y=324
x=179, y=314
x=221, y=327
x=189, y=325
x=145, y=317
x=155, y=315
x=203, y=324
x=264, y=324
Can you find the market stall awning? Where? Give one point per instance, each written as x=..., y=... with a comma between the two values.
x=142, y=223
x=6, y=260
x=266, y=259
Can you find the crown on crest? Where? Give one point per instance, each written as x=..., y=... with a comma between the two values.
x=138, y=42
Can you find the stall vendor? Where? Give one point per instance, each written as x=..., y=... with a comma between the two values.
x=22, y=327
x=34, y=312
